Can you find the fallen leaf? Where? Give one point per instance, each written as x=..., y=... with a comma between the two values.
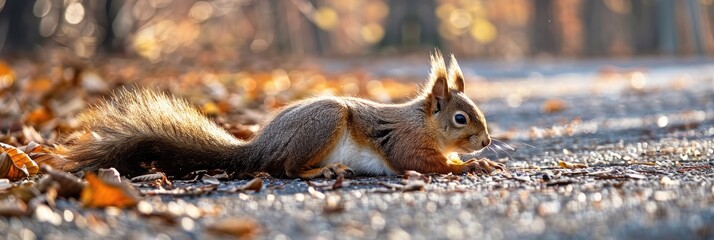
x=180, y=192
x=148, y=177
x=416, y=175
x=38, y=116
x=416, y=185
x=43, y=155
x=99, y=193
x=253, y=185
x=70, y=186
x=12, y=207
x=30, y=135
x=159, y=180
x=25, y=191
x=553, y=106
x=241, y=228
x=560, y=182
x=165, y=218
x=338, y=182
x=564, y=164
x=109, y=175
x=15, y=164
x=210, y=180
x=686, y=169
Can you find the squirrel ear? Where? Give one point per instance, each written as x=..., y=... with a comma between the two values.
x=457, y=77
x=438, y=83
x=439, y=89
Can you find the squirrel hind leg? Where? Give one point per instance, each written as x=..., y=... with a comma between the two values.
x=300, y=137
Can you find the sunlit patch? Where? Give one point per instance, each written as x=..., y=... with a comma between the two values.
x=74, y=13
x=454, y=159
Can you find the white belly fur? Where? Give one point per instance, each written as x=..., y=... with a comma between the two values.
x=362, y=160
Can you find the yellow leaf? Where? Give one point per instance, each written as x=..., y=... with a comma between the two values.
x=553, y=106
x=15, y=164
x=564, y=164
x=104, y=194
x=240, y=228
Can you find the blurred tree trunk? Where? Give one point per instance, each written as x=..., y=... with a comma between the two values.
x=18, y=27
x=543, y=33
x=411, y=23
x=666, y=34
x=644, y=28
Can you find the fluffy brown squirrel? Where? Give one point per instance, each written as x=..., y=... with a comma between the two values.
x=141, y=131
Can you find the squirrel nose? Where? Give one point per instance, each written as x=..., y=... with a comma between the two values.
x=486, y=142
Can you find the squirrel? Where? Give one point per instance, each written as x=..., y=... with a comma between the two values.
x=142, y=131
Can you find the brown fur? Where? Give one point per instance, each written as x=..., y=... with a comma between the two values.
x=140, y=131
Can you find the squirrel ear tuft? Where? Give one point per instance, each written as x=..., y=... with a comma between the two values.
x=455, y=75
x=438, y=83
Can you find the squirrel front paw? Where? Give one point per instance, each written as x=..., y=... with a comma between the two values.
x=483, y=166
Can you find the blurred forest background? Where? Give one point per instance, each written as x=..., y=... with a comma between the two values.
x=161, y=30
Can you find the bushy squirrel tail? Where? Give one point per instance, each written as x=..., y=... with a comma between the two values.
x=138, y=131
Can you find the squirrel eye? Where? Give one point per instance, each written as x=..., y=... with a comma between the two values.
x=460, y=119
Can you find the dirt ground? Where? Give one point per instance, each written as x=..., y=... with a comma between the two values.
x=601, y=152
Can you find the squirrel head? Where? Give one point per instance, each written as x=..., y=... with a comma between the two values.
x=460, y=125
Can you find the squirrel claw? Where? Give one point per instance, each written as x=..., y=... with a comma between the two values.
x=336, y=170
x=483, y=166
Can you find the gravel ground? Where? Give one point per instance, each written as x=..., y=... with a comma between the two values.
x=641, y=168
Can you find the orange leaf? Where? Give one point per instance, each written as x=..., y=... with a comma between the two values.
x=104, y=194
x=553, y=106
x=38, y=116
x=44, y=155
x=240, y=228
x=15, y=164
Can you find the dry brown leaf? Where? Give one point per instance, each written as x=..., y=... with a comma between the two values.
x=69, y=185
x=30, y=135
x=25, y=191
x=411, y=175
x=43, y=155
x=39, y=85
x=109, y=175
x=99, y=193
x=553, y=106
x=38, y=116
x=564, y=164
x=149, y=177
x=12, y=207
x=186, y=191
x=338, y=182
x=165, y=218
x=416, y=185
x=15, y=164
x=253, y=185
x=241, y=228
